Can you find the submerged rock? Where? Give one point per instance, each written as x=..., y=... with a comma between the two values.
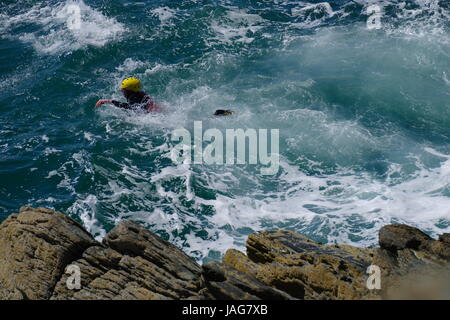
x=37, y=245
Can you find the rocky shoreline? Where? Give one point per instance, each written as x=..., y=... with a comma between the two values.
x=38, y=245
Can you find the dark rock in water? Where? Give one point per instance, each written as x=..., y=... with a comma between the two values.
x=445, y=238
x=37, y=245
x=399, y=236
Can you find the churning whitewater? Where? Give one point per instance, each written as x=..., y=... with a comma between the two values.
x=363, y=116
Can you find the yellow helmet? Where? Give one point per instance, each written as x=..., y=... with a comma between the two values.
x=132, y=84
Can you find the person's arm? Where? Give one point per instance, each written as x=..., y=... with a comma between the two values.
x=118, y=104
x=102, y=102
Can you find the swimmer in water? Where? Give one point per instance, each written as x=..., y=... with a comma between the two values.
x=136, y=98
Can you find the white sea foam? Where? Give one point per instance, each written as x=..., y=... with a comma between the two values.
x=54, y=36
x=436, y=153
x=350, y=212
x=428, y=21
x=309, y=12
x=236, y=27
x=86, y=210
x=346, y=207
x=130, y=65
x=445, y=78
x=89, y=136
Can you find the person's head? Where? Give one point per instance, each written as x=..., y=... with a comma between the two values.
x=130, y=85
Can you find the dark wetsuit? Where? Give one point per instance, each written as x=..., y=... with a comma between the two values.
x=137, y=101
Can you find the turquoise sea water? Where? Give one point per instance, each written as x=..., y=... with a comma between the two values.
x=364, y=116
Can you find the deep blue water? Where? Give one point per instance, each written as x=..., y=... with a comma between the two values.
x=363, y=116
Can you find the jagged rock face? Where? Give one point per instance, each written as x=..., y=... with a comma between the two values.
x=303, y=268
x=399, y=238
x=404, y=249
x=35, y=247
x=130, y=238
x=445, y=238
x=38, y=245
x=133, y=264
x=309, y=270
x=414, y=266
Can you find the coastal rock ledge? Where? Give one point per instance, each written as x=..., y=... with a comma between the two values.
x=38, y=245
